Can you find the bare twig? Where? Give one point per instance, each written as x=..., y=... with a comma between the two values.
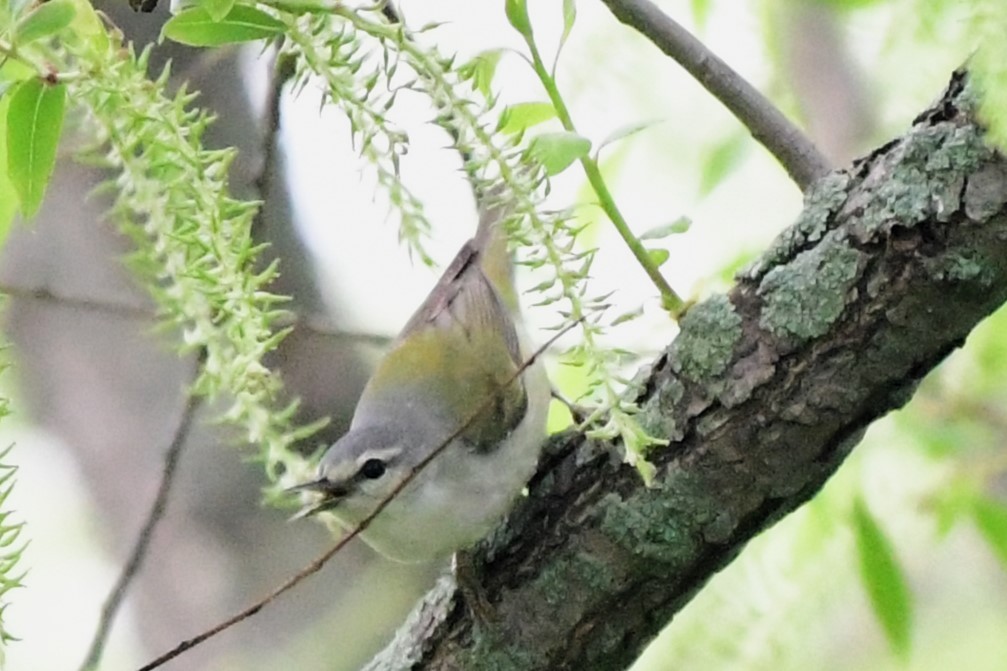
x=316, y=324
x=317, y=564
x=282, y=72
x=792, y=148
x=132, y=567
x=45, y=295
x=321, y=326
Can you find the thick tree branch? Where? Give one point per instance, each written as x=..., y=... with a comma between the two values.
x=762, y=395
x=792, y=148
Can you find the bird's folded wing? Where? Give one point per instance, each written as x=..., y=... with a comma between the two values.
x=461, y=348
x=465, y=298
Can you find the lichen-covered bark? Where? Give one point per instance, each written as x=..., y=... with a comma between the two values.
x=762, y=395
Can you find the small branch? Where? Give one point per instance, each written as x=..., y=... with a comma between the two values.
x=44, y=70
x=321, y=326
x=792, y=148
x=300, y=576
x=317, y=564
x=316, y=324
x=282, y=72
x=132, y=567
x=670, y=300
x=45, y=295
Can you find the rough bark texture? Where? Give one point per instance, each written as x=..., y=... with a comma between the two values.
x=762, y=395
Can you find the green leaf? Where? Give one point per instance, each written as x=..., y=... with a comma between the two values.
x=217, y=9
x=628, y=316
x=741, y=260
x=522, y=116
x=658, y=256
x=569, y=17
x=884, y=580
x=991, y=519
x=13, y=72
x=700, y=11
x=44, y=21
x=623, y=132
x=34, y=122
x=556, y=151
x=196, y=28
x=87, y=27
x=955, y=501
x=8, y=196
x=517, y=15
x=481, y=69
x=720, y=161
x=680, y=225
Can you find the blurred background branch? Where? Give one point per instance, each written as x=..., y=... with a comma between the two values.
x=798, y=155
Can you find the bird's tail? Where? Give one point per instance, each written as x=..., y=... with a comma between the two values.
x=491, y=242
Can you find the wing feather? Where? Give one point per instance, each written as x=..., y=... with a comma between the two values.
x=461, y=348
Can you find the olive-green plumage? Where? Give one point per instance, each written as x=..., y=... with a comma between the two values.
x=457, y=362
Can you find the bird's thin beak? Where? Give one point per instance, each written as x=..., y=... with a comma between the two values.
x=332, y=493
x=319, y=485
x=308, y=511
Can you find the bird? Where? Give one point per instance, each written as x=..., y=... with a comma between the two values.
x=459, y=389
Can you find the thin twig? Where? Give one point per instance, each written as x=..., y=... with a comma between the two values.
x=317, y=564
x=316, y=324
x=45, y=295
x=792, y=148
x=323, y=327
x=142, y=544
x=670, y=300
x=282, y=72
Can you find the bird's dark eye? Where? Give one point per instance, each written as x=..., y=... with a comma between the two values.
x=372, y=469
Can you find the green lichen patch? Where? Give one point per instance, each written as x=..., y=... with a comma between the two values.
x=961, y=267
x=824, y=199
x=582, y=575
x=659, y=415
x=491, y=653
x=705, y=346
x=804, y=297
x=924, y=180
x=651, y=525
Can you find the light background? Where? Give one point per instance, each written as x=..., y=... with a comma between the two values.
x=611, y=78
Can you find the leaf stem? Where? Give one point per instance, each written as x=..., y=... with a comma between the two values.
x=670, y=300
x=48, y=73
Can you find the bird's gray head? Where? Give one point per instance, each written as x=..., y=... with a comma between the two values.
x=359, y=470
